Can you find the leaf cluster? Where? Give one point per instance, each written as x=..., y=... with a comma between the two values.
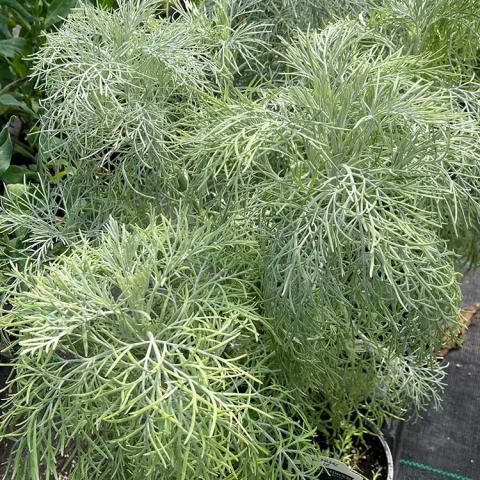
x=135, y=354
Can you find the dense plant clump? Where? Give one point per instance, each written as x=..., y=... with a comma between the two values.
x=139, y=345
x=445, y=30
x=244, y=236
x=374, y=163
x=119, y=84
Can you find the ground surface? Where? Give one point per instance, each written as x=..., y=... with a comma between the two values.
x=446, y=444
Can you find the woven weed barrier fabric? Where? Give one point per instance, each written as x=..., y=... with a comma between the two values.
x=445, y=444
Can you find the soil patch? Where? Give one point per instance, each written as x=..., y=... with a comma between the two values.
x=371, y=459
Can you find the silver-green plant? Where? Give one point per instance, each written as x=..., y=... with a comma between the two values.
x=139, y=359
x=446, y=30
x=357, y=166
x=40, y=221
x=118, y=85
x=283, y=19
x=309, y=277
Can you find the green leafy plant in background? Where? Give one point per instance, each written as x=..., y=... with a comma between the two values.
x=22, y=25
x=20, y=34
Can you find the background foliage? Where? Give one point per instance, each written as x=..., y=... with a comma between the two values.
x=21, y=34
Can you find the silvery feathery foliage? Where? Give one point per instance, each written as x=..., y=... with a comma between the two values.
x=121, y=87
x=359, y=163
x=48, y=216
x=444, y=32
x=135, y=356
x=448, y=30
x=118, y=84
x=284, y=19
x=193, y=346
x=40, y=221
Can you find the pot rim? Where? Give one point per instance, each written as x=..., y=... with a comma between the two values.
x=388, y=454
x=386, y=448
